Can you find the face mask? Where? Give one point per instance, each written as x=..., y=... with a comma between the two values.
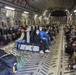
x=5, y=28
x=40, y=29
x=37, y=32
x=10, y=29
x=47, y=32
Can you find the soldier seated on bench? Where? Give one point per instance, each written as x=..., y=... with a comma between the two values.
x=22, y=40
x=45, y=38
x=38, y=41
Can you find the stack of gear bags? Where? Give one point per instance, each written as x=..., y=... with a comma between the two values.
x=9, y=62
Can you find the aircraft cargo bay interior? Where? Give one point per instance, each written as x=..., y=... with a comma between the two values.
x=37, y=37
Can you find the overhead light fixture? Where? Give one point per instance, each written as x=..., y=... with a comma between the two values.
x=26, y=12
x=10, y=8
x=74, y=11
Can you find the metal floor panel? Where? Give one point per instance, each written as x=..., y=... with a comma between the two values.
x=53, y=63
x=39, y=64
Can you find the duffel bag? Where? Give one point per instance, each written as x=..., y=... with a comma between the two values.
x=68, y=49
x=72, y=61
x=9, y=60
x=3, y=69
x=20, y=61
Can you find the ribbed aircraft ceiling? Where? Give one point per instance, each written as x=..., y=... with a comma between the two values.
x=52, y=4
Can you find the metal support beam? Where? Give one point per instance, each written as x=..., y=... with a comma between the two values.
x=74, y=4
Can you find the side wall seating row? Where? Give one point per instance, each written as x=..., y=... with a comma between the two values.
x=70, y=48
x=23, y=35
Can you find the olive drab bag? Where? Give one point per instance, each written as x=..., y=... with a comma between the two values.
x=72, y=61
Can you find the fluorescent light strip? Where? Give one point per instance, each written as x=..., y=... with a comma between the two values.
x=75, y=11
x=10, y=8
x=26, y=12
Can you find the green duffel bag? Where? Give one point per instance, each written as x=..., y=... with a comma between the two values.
x=20, y=61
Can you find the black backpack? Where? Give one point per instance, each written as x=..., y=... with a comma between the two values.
x=68, y=49
x=3, y=69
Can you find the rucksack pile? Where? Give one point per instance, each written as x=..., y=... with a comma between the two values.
x=8, y=63
x=72, y=61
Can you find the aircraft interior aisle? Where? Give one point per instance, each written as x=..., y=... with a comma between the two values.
x=37, y=37
x=46, y=64
x=53, y=63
